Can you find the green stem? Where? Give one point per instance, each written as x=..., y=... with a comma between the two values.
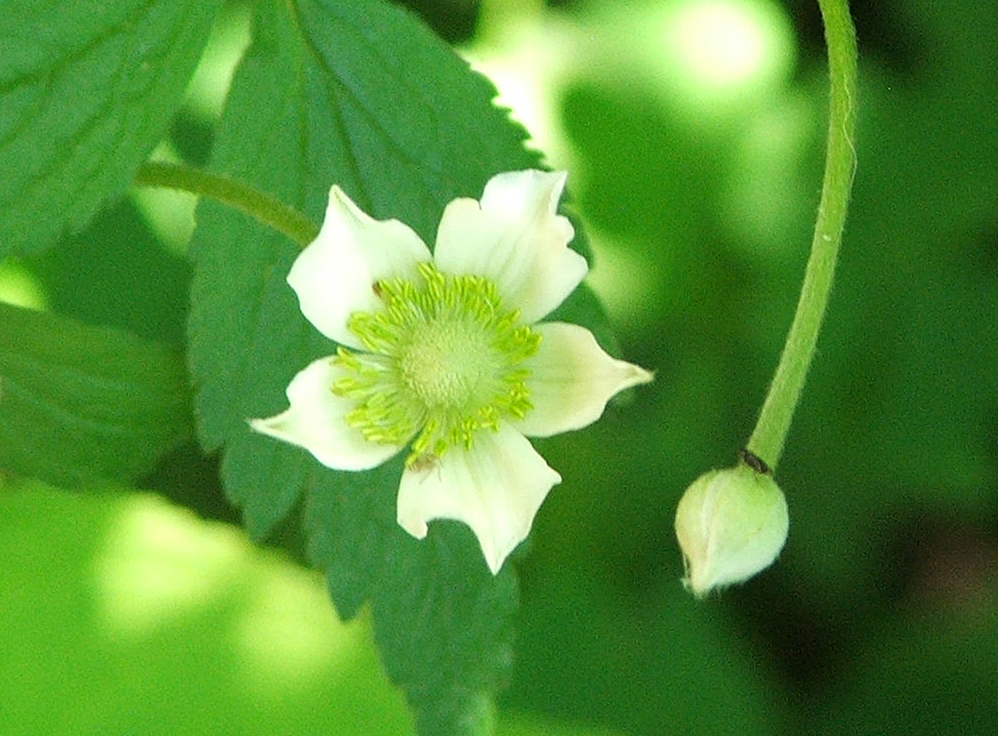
x=773, y=424
x=264, y=208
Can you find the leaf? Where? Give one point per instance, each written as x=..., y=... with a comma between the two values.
x=357, y=94
x=115, y=273
x=87, y=88
x=81, y=403
x=443, y=623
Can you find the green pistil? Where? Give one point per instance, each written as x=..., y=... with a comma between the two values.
x=444, y=362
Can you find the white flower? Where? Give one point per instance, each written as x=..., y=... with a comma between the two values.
x=443, y=353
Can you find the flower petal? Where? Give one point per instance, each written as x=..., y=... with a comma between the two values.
x=316, y=421
x=514, y=238
x=571, y=379
x=495, y=488
x=334, y=276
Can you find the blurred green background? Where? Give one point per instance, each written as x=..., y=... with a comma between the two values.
x=693, y=132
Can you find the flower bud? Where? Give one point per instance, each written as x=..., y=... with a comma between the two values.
x=730, y=525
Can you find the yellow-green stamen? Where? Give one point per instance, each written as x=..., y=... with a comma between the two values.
x=444, y=361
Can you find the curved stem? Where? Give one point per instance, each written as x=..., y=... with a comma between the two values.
x=264, y=208
x=773, y=424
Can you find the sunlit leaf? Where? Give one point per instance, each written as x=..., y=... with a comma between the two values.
x=87, y=88
x=79, y=403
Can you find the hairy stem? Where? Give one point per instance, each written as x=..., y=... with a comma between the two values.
x=240, y=195
x=771, y=429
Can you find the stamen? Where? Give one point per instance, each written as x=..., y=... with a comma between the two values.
x=443, y=363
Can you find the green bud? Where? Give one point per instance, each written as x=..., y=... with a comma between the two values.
x=731, y=524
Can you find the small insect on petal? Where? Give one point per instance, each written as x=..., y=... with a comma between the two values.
x=423, y=461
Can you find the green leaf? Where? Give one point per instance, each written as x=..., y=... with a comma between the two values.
x=87, y=88
x=79, y=403
x=443, y=623
x=361, y=95
x=115, y=273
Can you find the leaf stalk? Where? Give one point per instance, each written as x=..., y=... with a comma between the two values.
x=262, y=207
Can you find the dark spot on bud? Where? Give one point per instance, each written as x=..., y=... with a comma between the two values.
x=753, y=461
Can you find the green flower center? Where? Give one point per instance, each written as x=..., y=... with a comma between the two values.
x=444, y=361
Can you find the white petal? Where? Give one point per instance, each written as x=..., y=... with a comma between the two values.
x=571, y=379
x=334, y=276
x=495, y=488
x=315, y=421
x=514, y=238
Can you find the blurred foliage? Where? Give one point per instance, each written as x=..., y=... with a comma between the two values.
x=895, y=440
x=881, y=616
x=136, y=617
